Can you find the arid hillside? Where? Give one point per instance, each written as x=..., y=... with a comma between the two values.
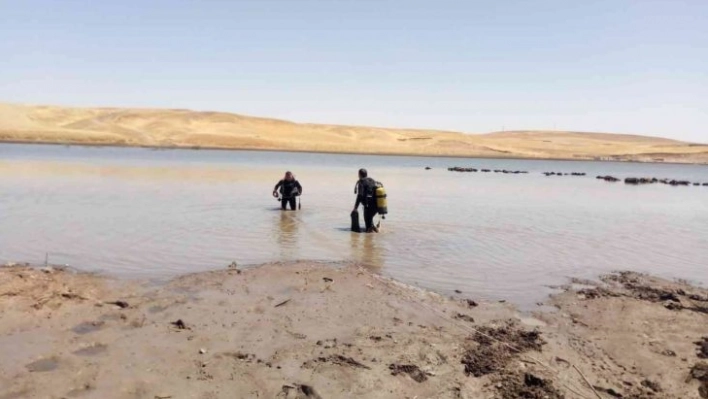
x=185, y=128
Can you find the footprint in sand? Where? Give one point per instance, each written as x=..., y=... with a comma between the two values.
x=91, y=350
x=87, y=327
x=43, y=365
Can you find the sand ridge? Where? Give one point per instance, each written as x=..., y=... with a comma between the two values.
x=194, y=129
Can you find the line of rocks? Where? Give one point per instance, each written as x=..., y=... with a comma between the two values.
x=608, y=178
x=651, y=180
x=654, y=180
x=474, y=170
x=564, y=174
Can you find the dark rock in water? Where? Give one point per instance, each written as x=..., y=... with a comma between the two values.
x=696, y=184
x=679, y=183
x=428, y=168
x=457, y=169
x=640, y=180
x=705, y=184
x=608, y=178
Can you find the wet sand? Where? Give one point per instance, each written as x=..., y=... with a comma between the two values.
x=308, y=330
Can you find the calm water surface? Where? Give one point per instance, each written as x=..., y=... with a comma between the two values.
x=158, y=213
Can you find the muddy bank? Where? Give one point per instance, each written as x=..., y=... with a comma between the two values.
x=314, y=331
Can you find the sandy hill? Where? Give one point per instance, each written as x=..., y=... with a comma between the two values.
x=185, y=128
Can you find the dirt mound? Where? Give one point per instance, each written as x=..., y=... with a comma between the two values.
x=642, y=287
x=702, y=350
x=412, y=370
x=511, y=335
x=527, y=386
x=338, y=360
x=700, y=372
x=496, y=347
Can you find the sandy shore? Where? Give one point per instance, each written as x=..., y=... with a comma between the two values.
x=179, y=128
x=319, y=331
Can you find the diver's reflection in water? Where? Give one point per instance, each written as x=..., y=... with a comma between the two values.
x=367, y=251
x=286, y=231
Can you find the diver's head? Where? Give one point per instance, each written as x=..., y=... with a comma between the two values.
x=363, y=173
x=289, y=175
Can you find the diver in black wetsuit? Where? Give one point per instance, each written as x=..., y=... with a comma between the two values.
x=290, y=189
x=366, y=195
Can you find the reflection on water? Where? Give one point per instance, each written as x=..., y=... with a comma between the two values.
x=286, y=231
x=367, y=250
x=159, y=213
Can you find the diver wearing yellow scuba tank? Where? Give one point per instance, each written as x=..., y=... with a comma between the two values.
x=372, y=195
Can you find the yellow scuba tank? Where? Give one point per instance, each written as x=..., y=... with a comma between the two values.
x=381, y=202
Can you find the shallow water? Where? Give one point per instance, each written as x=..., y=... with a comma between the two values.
x=158, y=213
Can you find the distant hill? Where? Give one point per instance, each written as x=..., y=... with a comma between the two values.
x=185, y=128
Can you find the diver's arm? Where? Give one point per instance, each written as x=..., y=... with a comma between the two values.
x=275, y=189
x=358, y=197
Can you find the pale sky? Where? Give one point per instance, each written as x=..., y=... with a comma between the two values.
x=474, y=66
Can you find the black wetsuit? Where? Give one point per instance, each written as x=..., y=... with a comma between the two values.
x=289, y=189
x=366, y=194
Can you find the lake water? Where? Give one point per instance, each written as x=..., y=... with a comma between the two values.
x=157, y=213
